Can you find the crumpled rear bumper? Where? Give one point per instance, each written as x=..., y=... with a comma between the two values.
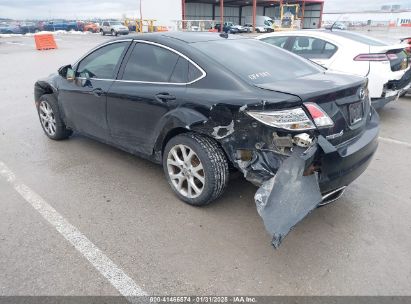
x=392, y=90
x=401, y=83
x=294, y=191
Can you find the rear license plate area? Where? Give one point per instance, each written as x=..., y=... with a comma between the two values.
x=355, y=112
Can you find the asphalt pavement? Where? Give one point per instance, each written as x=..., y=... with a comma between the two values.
x=75, y=212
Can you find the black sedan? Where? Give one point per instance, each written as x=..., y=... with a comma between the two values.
x=301, y=133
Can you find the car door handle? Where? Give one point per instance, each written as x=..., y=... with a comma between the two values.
x=98, y=92
x=164, y=97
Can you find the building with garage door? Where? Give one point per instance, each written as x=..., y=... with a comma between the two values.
x=305, y=13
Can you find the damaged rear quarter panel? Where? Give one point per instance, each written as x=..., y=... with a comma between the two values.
x=227, y=122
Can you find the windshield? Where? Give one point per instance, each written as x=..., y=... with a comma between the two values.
x=359, y=38
x=265, y=63
x=268, y=22
x=115, y=23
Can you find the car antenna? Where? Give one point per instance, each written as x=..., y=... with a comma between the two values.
x=224, y=35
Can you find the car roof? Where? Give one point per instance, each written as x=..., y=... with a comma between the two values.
x=186, y=37
x=335, y=35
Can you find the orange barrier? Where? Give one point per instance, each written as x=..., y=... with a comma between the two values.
x=45, y=42
x=213, y=30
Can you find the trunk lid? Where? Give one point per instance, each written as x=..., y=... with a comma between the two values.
x=396, y=55
x=339, y=95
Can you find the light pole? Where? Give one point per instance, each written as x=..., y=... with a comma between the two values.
x=141, y=17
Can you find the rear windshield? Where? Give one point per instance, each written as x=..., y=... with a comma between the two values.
x=359, y=38
x=257, y=62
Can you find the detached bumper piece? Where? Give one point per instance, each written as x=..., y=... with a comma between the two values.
x=401, y=83
x=378, y=103
x=289, y=196
x=393, y=86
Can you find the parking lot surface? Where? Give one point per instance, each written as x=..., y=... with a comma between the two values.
x=359, y=245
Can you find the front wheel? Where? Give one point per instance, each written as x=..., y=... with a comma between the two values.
x=196, y=168
x=50, y=119
x=102, y=32
x=113, y=33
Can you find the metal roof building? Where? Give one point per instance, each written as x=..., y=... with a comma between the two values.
x=309, y=12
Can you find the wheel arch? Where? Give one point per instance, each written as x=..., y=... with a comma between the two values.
x=183, y=121
x=42, y=88
x=178, y=121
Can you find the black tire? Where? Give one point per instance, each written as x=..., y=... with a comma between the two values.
x=61, y=131
x=215, y=167
x=113, y=33
x=258, y=31
x=102, y=32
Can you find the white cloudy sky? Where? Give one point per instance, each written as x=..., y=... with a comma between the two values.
x=20, y=9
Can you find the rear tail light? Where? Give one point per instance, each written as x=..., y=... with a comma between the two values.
x=371, y=57
x=321, y=119
x=293, y=119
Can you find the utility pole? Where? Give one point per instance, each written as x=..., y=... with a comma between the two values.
x=141, y=18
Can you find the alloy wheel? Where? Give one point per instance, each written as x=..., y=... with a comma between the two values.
x=186, y=171
x=47, y=118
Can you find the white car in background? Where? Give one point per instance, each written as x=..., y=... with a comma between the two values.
x=114, y=28
x=386, y=66
x=258, y=29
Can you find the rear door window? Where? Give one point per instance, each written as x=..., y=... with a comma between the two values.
x=151, y=63
x=180, y=72
x=313, y=48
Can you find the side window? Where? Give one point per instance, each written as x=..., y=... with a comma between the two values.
x=330, y=49
x=193, y=73
x=151, y=63
x=105, y=23
x=279, y=41
x=180, y=72
x=102, y=63
x=312, y=48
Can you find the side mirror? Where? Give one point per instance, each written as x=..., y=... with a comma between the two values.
x=70, y=74
x=66, y=72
